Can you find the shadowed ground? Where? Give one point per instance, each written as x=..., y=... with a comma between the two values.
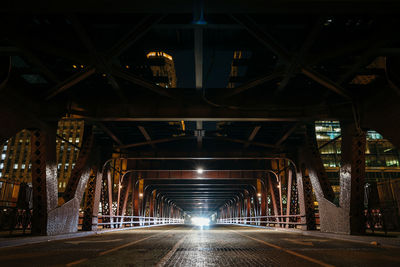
x=187, y=245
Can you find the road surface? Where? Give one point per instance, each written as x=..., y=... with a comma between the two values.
x=185, y=245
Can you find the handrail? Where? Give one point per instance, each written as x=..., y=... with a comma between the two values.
x=119, y=221
x=264, y=220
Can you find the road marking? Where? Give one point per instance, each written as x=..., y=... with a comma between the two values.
x=76, y=262
x=286, y=250
x=165, y=259
x=119, y=247
x=92, y=241
x=299, y=242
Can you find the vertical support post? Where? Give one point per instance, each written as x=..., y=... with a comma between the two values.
x=273, y=198
x=110, y=195
x=126, y=185
x=289, y=196
x=263, y=204
x=307, y=209
x=152, y=200
x=92, y=199
x=352, y=176
x=39, y=183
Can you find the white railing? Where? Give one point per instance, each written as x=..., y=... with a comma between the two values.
x=273, y=221
x=131, y=221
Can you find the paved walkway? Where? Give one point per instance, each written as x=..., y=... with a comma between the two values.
x=193, y=246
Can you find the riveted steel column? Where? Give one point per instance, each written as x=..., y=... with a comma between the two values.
x=305, y=196
x=316, y=169
x=92, y=199
x=81, y=165
x=273, y=196
x=125, y=194
x=39, y=149
x=289, y=196
x=352, y=176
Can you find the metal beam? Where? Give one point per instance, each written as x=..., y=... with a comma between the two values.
x=192, y=174
x=253, y=83
x=97, y=58
x=287, y=134
x=121, y=73
x=298, y=59
x=146, y=135
x=134, y=35
x=68, y=83
x=109, y=133
x=164, y=140
x=199, y=134
x=242, y=141
x=285, y=56
x=252, y=136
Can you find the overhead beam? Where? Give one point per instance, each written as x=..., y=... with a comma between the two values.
x=123, y=74
x=285, y=56
x=69, y=82
x=252, y=136
x=287, y=134
x=97, y=58
x=116, y=71
x=199, y=134
x=187, y=174
x=163, y=140
x=109, y=133
x=240, y=141
x=299, y=57
x=146, y=135
x=134, y=35
x=253, y=83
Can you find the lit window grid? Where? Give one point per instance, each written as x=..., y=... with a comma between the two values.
x=167, y=70
x=15, y=154
x=379, y=152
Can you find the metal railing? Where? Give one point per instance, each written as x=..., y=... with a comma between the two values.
x=282, y=221
x=132, y=221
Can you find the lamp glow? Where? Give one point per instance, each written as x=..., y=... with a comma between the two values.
x=200, y=221
x=200, y=171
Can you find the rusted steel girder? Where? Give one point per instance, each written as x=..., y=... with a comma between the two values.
x=352, y=176
x=92, y=199
x=316, y=169
x=305, y=198
x=81, y=164
x=192, y=174
x=43, y=165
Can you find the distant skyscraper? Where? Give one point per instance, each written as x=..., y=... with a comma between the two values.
x=163, y=68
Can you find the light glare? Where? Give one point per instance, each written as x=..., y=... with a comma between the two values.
x=200, y=171
x=201, y=221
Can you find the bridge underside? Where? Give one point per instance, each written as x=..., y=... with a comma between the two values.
x=231, y=136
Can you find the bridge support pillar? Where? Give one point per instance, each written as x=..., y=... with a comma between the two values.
x=347, y=217
x=52, y=216
x=305, y=198
x=92, y=200
x=352, y=176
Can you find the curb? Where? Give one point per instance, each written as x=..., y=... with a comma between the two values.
x=349, y=238
x=41, y=239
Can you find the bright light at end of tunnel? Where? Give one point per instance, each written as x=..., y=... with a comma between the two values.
x=199, y=170
x=201, y=221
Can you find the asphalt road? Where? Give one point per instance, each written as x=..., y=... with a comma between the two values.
x=194, y=246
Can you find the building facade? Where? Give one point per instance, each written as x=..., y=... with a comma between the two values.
x=15, y=167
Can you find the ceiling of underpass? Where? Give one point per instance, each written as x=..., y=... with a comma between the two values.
x=299, y=61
